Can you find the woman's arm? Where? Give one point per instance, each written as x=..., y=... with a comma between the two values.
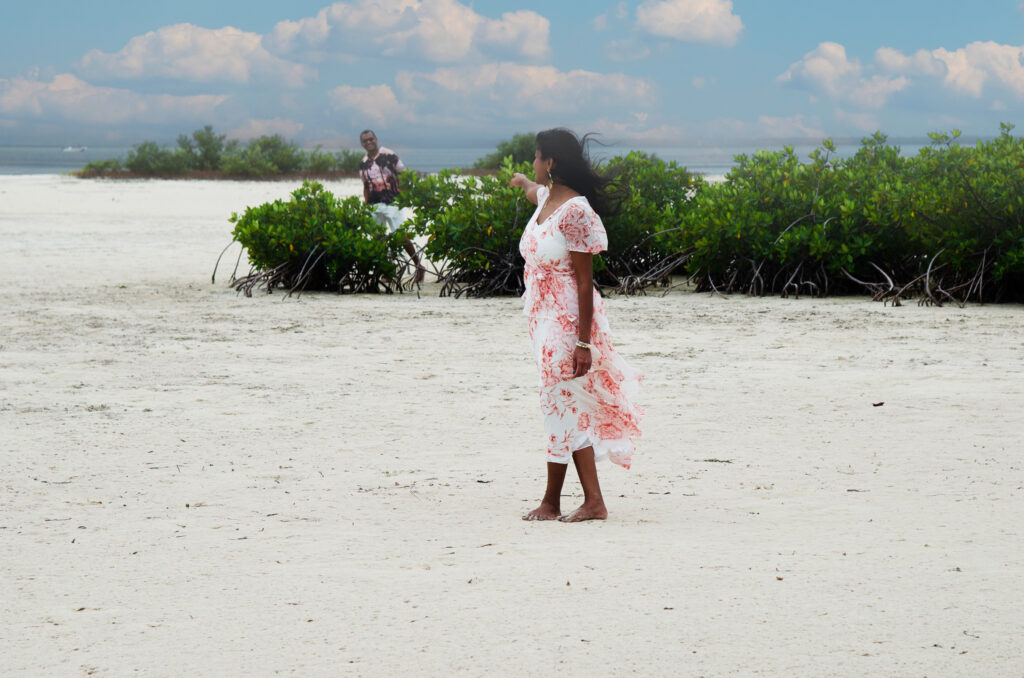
x=583, y=266
x=520, y=180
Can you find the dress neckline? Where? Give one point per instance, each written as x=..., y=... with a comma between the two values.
x=564, y=203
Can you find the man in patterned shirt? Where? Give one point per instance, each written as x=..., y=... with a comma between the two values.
x=379, y=170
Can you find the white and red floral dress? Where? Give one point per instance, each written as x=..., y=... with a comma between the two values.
x=594, y=409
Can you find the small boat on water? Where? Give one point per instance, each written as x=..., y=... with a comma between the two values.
x=74, y=149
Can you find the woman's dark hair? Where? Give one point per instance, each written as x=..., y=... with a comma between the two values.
x=573, y=168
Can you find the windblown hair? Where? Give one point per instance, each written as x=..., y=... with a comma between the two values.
x=573, y=168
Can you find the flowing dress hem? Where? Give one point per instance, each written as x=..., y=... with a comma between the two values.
x=617, y=451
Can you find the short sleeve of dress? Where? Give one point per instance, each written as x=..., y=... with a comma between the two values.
x=582, y=229
x=542, y=194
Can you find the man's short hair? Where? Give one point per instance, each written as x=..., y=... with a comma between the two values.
x=365, y=132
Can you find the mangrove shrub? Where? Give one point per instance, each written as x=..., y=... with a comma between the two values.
x=473, y=226
x=210, y=154
x=644, y=243
x=945, y=224
x=316, y=241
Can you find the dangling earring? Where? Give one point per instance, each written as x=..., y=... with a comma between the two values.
x=551, y=183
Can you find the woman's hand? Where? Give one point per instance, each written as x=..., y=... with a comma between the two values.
x=580, y=362
x=519, y=180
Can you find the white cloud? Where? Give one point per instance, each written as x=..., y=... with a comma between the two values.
x=963, y=74
x=967, y=70
x=441, y=31
x=377, y=104
x=188, y=52
x=600, y=22
x=520, y=90
x=260, y=128
x=707, y=21
x=827, y=69
x=922, y=62
x=522, y=31
x=67, y=97
x=311, y=30
x=873, y=92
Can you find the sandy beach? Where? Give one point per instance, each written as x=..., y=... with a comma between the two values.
x=198, y=483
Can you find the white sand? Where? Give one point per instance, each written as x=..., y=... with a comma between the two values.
x=196, y=483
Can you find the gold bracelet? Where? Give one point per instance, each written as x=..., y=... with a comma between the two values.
x=583, y=344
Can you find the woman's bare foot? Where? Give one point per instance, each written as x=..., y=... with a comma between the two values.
x=596, y=511
x=545, y=511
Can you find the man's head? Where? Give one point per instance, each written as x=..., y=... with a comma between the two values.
x=368, y=140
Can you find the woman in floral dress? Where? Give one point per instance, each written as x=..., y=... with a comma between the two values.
x=584, y=385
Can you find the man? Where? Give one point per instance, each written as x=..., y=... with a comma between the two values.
x=379, y=170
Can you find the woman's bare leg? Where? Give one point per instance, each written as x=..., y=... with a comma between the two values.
x=593, y=507
x=550, y=505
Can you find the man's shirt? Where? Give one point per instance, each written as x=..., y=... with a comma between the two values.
x=380, y=175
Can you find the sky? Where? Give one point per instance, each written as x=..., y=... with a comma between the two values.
x=461, y=73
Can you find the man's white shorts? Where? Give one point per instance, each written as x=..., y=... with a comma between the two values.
x=389, y=215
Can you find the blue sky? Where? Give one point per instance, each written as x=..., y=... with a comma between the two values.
x=471, y=72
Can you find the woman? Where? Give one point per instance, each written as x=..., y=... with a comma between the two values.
x=584, y=384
